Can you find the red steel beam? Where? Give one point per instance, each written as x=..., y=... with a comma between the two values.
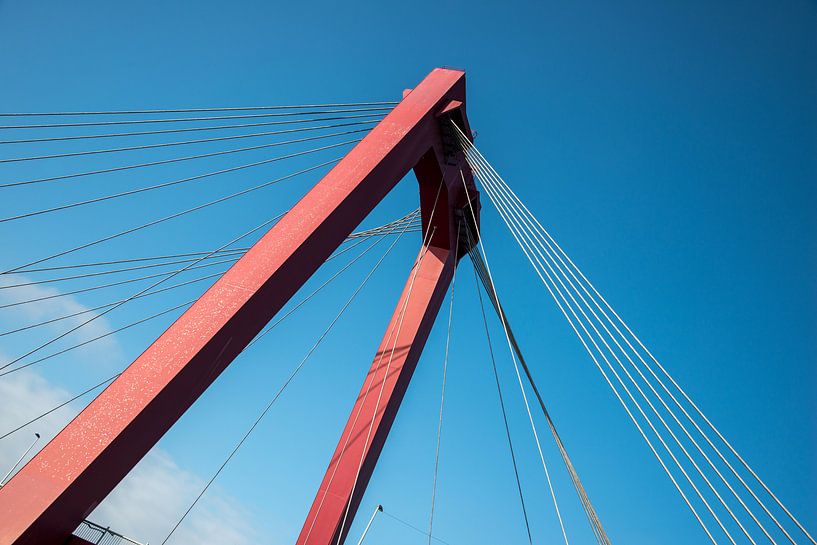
x=376, y=407
x=71, y=475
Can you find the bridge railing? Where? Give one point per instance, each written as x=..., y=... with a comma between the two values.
x=100, y=535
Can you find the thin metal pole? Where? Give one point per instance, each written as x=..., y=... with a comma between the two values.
x=378, y=509
x=20, y=459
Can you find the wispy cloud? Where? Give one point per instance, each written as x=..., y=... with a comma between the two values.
x=23, y=396
x=149, y=501
x=104, y=350
x=157, y=492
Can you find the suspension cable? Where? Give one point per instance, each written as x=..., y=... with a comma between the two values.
x=60, y=406
x=501, y=397
x=189, y=119
x=559, y=252
x=119, y=303
x=132, y=260
x=613, y=388
x=170, y=217
x=156, y=163
x=404, y=230
x=199, y=176
x=194, y=110
x=516, y=368
x=368, y=389
x=303, y=301
x=89, y=341
x=653, y=390
x=190, y=267
x=386, y=228
x=413, y=527
x=380, y=395
x=184, y=142
x=442, y=392
x=398, y=327
x=95, y=274
x=377, y=116
x=720, y=455
x=590, y=512
x=286, y=383
x=141, y=292
x=587, y=320
x=361, y=235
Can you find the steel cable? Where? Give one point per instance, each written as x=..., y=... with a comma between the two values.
x=415, y=528
x=362, y=235
x=595, y=523
x=143, y=165
x=368, y=389
x=186, y=142
x=562, y=274
x=398, y=325
x=561, y=255
x=106, y=305
x=194, y=110
x=129, y=260
x=141, y=292
x=60, y=406
x=191, y=267
x=188, y=119
x=385, y=228
x=89, y=341
x=170, y=217
x=400, y=232
x=477, y=278
x=442, y=394
x=186, y=129
x=342, y=529
x=518, y=375
x=559, y=252
x=585, y=321
x=198, y=176
x=286, y=383
x=277, y=322
x=531, y=258
x=116, y=271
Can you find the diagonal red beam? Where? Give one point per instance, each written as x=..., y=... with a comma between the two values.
x=65, y=481
x=376, y=407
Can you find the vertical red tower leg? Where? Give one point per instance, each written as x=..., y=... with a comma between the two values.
x=373, y=413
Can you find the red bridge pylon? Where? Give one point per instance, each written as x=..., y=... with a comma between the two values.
x=65, y=481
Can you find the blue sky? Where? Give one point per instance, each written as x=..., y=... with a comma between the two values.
x=670, y=147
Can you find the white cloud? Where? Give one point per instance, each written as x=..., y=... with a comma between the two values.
x=150, y=499
x=147, y=504
x=104, y=350
x=24, y=395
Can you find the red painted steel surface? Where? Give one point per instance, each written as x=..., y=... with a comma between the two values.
x=60, y=486
x=398, y=355
x=341, y=486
